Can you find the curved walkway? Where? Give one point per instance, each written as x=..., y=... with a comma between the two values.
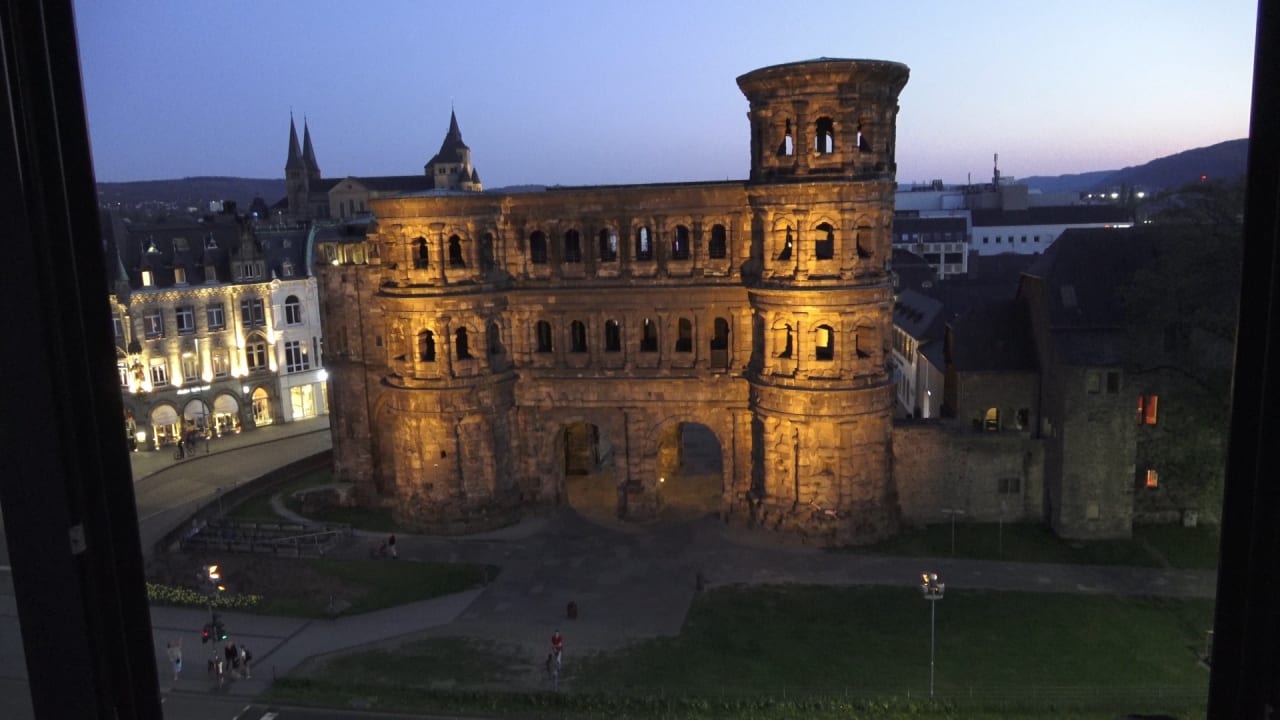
x=628, y=586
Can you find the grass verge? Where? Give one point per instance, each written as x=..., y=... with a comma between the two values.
x=1021, y=542
x=306, y=587
x=367, y=585
x=257, y=507
x=1193, y=547
x=784, y=652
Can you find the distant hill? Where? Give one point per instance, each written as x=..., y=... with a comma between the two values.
x=190, y=192
x=1221, y=161
x=1078, y=182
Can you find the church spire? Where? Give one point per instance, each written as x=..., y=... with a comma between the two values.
x=295, y=155
x=309, y=153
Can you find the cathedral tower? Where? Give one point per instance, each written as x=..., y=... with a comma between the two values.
x=295, y=174
x=450, y=168
x=821, y=199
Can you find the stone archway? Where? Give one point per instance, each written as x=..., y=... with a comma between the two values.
x=690, y=466
x=588, y=466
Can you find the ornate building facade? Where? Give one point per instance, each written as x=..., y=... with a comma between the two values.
x=216, y=325
x=483, y=346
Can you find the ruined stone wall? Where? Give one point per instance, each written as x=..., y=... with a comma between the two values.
x=990, y=476
x=760, y=309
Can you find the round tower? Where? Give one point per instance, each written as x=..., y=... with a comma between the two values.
x=449, y=383
x=821, y=196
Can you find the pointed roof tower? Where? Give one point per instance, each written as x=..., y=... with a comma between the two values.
x=452, y=150
x=295, y=155
x=309, y=153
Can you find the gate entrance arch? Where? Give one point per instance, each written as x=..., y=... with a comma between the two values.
x=589, y=468
x=690, y=471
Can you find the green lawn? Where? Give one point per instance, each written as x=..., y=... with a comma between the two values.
x=365, y=585
x=876, y=640
x=376, y=519
x=1020, y=542
x=257, y=507
x=1195, y=547
x=784, y=652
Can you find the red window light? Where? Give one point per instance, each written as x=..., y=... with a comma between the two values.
x=1153, y=479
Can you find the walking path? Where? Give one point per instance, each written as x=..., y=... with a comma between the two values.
x=629, y=584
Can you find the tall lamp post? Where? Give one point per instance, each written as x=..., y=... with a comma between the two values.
x=932, y=590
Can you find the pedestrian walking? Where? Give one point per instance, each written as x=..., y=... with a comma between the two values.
x=557, y=649
x=174, y=651
x=553, y=670
x=245, y=657
x=232, y=657
x=391, y=547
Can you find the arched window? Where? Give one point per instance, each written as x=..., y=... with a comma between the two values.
x=572, y=247
x=718, y=247
x=864, y=145
x=824, y=246
x=825, y=344
x=649, y=336
x=455, y=252
x=644, y=243
x=720, y=344
x=612, y=336
x=292, y=310
x=787, y=148
x=427, y=346
x=538, y=247
x=493, y=338
x=786, y=342
x=680, y=243
x=991, y=419
x=608, y=245
x=684, y=338
x=787, y=242
x=864, y=253
x=486, y=252
x=421, y=259
x=543, y=330
x=460, y=344
x=577, y=337
x=824, y=138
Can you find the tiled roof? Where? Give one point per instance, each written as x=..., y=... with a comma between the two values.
x=993, y=337
x=950, y=223
x=918, y=315
x=396, y=183
x=294, y=162
x=451, y=150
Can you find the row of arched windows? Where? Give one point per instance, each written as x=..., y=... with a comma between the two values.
x=644, y=246
x=422, y=256
x=824, y=243
x=461, y=343
x=824, y=138
x=544, y=338
x=824, y=343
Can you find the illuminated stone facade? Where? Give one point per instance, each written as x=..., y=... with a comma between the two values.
x=216, y=326
x=475, y=337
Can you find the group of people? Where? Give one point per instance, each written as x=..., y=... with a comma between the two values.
x=235, y=659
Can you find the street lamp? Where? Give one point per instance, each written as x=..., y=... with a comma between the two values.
x=932, y=590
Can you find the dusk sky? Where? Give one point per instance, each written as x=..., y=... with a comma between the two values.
x=598, y=91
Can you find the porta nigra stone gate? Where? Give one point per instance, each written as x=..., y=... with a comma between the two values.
x=491, y=346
